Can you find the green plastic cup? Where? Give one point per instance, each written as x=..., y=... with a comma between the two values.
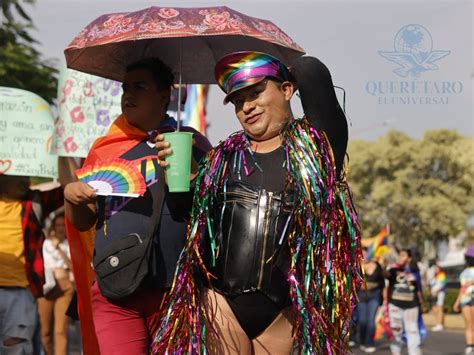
x=179, y=168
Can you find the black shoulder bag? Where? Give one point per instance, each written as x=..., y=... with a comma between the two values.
x=124, y=265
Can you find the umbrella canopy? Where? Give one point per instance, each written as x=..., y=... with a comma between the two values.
x=188, y=40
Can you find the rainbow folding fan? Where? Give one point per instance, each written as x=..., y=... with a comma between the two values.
x=113, y=177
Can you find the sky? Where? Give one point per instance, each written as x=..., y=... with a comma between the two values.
x=350, y=37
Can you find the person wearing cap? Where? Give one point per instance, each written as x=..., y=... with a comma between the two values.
x=465, y=300
x=272, y=260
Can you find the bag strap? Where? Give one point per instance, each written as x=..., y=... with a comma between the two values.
x=158, y=201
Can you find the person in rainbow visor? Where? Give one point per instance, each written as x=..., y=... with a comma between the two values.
x=273, y=235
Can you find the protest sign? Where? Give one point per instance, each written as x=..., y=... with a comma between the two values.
x=87, y=106
x=26, y=133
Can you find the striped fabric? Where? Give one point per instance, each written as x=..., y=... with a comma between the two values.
x=35, y=207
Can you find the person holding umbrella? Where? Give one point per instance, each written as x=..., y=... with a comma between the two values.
x=122, y=324
x=273, y=237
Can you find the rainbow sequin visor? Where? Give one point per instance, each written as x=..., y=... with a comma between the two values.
x=239, y=70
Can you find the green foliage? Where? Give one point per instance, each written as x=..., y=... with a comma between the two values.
x=451, y=296
x=21, y=65
x=422, y=188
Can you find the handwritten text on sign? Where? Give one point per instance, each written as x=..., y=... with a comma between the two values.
x=26, y=132
x=87, y=106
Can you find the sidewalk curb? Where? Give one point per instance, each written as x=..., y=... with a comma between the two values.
x=451, y=321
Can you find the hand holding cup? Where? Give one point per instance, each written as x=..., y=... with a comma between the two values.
x=163, y=150
x=175, y=155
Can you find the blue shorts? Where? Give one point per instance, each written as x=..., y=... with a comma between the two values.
x=469, y=303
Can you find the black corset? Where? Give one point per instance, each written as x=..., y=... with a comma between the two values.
x=251, y=257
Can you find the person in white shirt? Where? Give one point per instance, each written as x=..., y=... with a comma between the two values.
x=58, y=289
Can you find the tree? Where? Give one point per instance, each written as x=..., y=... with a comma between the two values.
x=422, y=188
x=21, y=65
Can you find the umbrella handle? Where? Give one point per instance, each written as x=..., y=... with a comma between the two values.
x=178, y=118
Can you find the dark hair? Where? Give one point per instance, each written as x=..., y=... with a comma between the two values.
x=432, y=262
x=408, y=251
x=6, y=181
x=56, y=216
x=162, y=74
x=469, y=260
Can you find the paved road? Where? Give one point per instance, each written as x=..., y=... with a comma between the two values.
x=440, y=343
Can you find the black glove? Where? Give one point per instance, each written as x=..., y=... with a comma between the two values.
x=313, y=80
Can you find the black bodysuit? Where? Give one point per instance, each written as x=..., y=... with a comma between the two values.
x=255, y=311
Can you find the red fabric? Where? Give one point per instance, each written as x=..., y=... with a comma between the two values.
x=81, y=245
x=123, y=326
x=120, y=138
x=33, y=236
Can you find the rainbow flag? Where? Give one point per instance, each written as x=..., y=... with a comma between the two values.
x=382, y=324
x=380, y=240
x=195, y=107
x=439, y=282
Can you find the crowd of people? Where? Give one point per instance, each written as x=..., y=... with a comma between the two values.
x=393, y=299
x=254, y=259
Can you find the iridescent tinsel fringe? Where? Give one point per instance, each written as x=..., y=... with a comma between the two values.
x=325, y=271
x=324, y=238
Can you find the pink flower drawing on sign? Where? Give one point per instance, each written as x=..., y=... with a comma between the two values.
x=88, y=89
x=59, y=129
x=67, y=87
x=76, y=115
x=70, y=145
